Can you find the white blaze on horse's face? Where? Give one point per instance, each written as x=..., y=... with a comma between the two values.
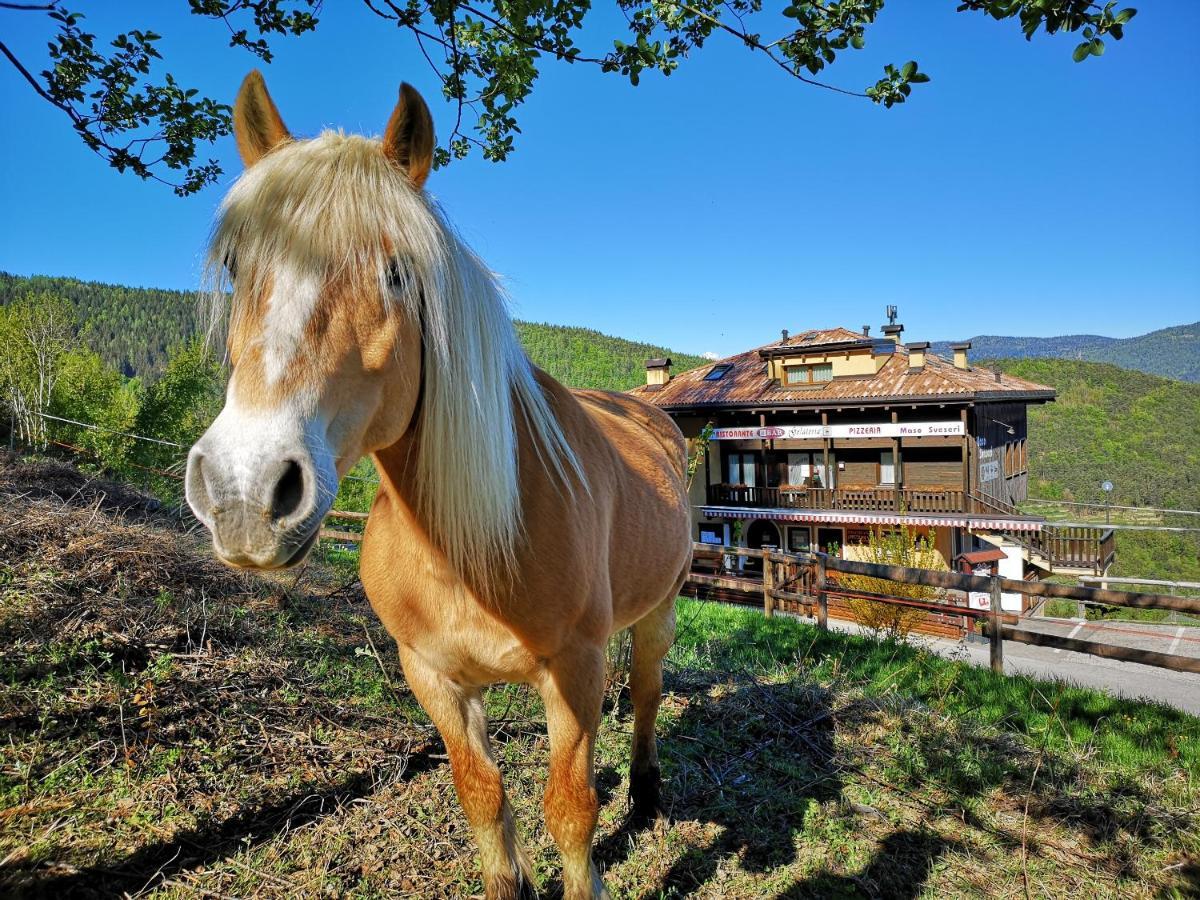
x=264, y=475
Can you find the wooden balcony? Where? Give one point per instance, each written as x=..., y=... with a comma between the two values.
x=1071, y=549
x=848, y=499
x=1056, y=548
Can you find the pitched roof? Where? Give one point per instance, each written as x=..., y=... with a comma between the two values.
x=746, y=382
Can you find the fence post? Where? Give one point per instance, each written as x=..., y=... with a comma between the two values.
x=994, y=634
x=822, y=597
x=768, y=584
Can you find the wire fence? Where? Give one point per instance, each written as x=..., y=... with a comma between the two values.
x=165, y=473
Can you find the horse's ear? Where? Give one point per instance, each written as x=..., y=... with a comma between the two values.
x=408, y=140
x=256, y=122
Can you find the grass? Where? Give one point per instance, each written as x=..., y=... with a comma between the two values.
x=175, y=730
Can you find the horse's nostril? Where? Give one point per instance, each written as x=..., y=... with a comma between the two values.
x=289, y=491
x=196, y=484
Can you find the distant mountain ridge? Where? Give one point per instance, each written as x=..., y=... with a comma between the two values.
x=1169, y=352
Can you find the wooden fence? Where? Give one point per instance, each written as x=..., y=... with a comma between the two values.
x=812, y=572
x=335, y=534
x=804, y=578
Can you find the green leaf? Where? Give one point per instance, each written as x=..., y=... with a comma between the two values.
x=1082, y=51
x=907, y=70
x=858, y=42
x=1097, y=47
x=1125, y=15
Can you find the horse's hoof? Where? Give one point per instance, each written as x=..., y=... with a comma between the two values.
x=645, y=793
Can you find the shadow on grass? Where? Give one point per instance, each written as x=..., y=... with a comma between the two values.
x=155, y=863
x=899, y=869
x=757, y=759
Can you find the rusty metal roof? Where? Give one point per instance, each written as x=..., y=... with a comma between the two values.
x=746, y=383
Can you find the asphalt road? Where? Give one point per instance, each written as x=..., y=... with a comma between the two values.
x=1178, y=689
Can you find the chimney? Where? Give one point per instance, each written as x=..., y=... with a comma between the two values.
x=916, y=354
x=658, y=372
x=960, y=354
x=866, y=331
x=783, y=339
x=893, y=332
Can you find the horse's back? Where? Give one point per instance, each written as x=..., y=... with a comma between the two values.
x=650, y=525
x=630, y=423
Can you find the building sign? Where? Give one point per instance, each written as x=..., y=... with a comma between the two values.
x=978, y=600
x=880, y=430
x=989, y=466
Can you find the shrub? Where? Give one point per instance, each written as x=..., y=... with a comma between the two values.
x=893, y=548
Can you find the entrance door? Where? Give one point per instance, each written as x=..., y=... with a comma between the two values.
x=760, y=534
x=831, y=540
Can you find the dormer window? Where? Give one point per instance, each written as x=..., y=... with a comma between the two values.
x=716, y=373
x=818, y=373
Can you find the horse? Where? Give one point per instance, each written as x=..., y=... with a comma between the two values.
x=518, y=525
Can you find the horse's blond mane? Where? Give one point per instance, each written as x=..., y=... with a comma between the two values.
x=336, y=207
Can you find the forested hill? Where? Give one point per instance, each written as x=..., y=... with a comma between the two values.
x=1172, y=352
x=1139, y=431
x=133, y=328
x=580, y=357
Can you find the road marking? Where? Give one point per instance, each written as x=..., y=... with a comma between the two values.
x=1178, y=635
x=1074, y=631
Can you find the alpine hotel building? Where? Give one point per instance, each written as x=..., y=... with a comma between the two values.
x=824, y=435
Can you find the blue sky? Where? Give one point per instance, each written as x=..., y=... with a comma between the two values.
x=1017, y=193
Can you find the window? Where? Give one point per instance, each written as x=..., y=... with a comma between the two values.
x=742, y=469
x=799, y=540
x=887, y=467
x=711, y=534
x=814, y=374
x=807, y=469
x=716, y=373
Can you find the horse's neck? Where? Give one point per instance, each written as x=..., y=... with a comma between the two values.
x=399, y=470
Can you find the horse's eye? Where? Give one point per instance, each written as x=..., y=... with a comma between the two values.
x=395, y=276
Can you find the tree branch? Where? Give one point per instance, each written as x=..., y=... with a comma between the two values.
x=755, y=44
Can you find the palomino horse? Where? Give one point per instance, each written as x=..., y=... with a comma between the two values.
x=518, y=525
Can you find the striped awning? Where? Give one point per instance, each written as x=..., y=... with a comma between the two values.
x=845, y=517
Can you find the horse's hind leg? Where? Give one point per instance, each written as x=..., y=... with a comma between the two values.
x=458, y=713
x=652, y=637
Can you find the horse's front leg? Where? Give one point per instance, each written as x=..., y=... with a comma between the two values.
x=573, y=689
x=458, y=713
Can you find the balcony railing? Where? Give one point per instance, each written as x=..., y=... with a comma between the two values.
x=1073, y=546
x=1062, y=547
x=851, y=499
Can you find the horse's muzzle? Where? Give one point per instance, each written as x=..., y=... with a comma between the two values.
x=267, y=519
